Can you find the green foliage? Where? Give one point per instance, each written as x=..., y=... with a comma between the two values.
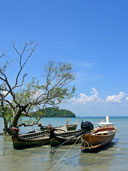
x=7, y=114
x=53, y=112
x=53, y=89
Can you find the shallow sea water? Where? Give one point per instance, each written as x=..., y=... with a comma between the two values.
x=67, y=158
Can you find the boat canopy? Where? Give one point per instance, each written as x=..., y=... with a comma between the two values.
x=102, y=123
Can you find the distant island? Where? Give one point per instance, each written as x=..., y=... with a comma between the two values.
x=50, y=112
x=53, y=112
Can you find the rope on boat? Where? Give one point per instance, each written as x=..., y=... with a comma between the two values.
x=84, y=143
x=53, y=150
x=64, y=155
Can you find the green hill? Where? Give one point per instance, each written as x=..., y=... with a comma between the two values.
x=53, y=112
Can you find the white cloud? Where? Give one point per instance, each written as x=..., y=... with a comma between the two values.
x=4, y=92
x=94, y=97
x=115, y=98
x=93, y=105
x=35, y=94
x=126, y=98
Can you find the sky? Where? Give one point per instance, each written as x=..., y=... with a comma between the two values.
x=92, y=35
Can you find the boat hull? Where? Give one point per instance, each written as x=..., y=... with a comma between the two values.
x=30, y=139
x=59, y=140
x=95, y=141
x=19, y=143
x=71, y=127
x=66, y=138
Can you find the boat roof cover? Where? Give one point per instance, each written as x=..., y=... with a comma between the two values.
x=106, y=122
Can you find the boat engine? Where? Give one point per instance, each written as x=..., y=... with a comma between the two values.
x=86, y=126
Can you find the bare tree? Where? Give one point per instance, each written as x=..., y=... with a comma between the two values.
x=6, y=89
x=52, y=90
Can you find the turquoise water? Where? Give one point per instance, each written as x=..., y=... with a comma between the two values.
x=67, y=158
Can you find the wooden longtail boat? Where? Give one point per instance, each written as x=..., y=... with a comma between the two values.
x=99, y=137
x=67, y=138
x=30, y=139
x=33, y=139
x=69, y=126
x=72, y=126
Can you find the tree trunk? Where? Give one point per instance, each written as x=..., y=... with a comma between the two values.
x=16, y=118
x=5, y=129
